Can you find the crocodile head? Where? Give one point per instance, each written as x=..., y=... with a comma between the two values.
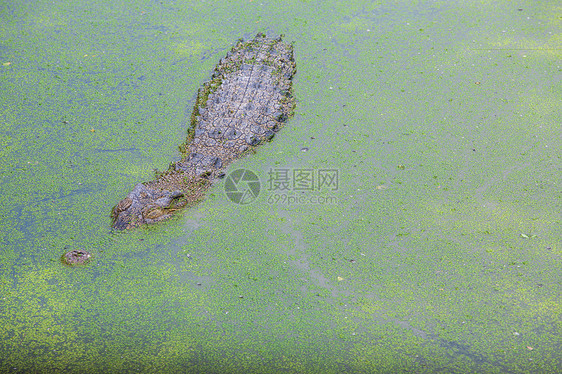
x=145, y=204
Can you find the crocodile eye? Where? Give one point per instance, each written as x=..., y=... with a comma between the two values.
x=124, y=204
x=154, y=213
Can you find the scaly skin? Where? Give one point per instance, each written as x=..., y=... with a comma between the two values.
x=247, y=100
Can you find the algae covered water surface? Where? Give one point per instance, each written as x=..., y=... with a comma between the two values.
x=408, y=217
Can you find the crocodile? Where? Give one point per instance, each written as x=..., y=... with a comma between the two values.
x=247, y=100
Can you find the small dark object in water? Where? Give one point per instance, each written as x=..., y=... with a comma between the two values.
x=76, y=257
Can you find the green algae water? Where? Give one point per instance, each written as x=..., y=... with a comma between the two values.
x=431, y=245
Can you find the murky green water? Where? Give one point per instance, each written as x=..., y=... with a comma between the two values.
x=439, y=251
